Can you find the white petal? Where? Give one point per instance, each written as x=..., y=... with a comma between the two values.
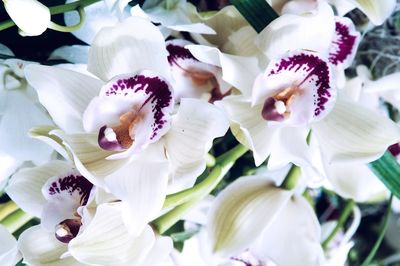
x=133, y=45
x=238, y=71
x=41, y=248
x=31, y=16
x=97, y=16
x=193, y=129
x=8, y=248
x=199, y=28
x=77, y=54
x=106, y=241
x=25, y=187
x=353, y=132
x=249, y=127
x=242, y=212
x=7, y=167
x=355, y=181
x=142, y=187
x=291, y=32
x=376, y=10
x=90, y=160
x=294, y=236
x=386, y=87
x=65, y=94
x=43, y=134
x=242, y=42
x=159, y=252
x=342, y=6
x=5, y=50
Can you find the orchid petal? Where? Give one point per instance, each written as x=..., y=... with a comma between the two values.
x=97, y=16
x=238, y=71
x=249, y=127
x=134, y=108
x=43, y=134
x=8, y=166
x=135, y=39
x=193, y=129
x=242, y=212
x=342, y=6
x=345, y=43
x=89, y=159
x=376, y=10
x=64, y=93
x=20, y=115
x=25, y=187
x=8, y=249
x=41, y=248
x=142, y=187
x=5, y=50
x=242, y=42
x=353, y=132
x=293, y=238
x=292, y=32
x=159, y=252
x=387, y=87
x=107, y=241
x=77, y=54
x=355, y=181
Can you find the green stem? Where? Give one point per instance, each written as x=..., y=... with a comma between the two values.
x=382, y=232
x=16, y=220
x=7, y=208
x=61, y=28
x=54, y=10
x=348, y=208
x=186, y=199
x=257, y=12
x=210, y=160
x=291, y=178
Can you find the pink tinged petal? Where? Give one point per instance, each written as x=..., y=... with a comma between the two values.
x=296, y=89
x=191, y=77
x=65, y=194
x=345, y=42
x=64, y=93
x=25, y=187
x=131, y=112
x=130, y=46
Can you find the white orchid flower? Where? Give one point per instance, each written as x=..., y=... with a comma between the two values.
x=19, y=111
x=31, y=16
x=296, y=92
x=120, y=129
x=271, y=223
x=9, y=255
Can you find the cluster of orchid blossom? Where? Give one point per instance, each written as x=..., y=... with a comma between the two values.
x=112, y=149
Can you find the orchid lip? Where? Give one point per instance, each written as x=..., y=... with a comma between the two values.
x=68, y=230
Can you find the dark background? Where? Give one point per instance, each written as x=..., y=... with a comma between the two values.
x=38, y=48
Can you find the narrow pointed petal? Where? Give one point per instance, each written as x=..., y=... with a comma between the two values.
x=376, y=10
x=8, y=249
x=242, y=212
x=21, y=113
x=43, y=133
x=142, y=187
x=25, y=187
x=345, y=43
x=41, y=248
x=64, y=93
x=193, y=129
x=133, y=45
x=89, y=159
x=294, y=236
x=238, y=71
x=312, y=31
x=353, y=132
x=131, y=112
x=249, y=127
x=107, y=241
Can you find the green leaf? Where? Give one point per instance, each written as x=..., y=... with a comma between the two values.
x=387, y=170
x=257, y=12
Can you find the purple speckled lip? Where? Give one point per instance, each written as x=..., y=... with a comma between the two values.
x=68, y=230
x=73, y=182
x=317, y=71
x=157, y=93
x=177, y=52
x=345, y=42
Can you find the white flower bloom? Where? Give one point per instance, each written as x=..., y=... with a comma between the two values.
x=9, y=255
x=19, y=111
x=31, y=16
x=120, y=129
x=296, y=92
x=271, y=222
